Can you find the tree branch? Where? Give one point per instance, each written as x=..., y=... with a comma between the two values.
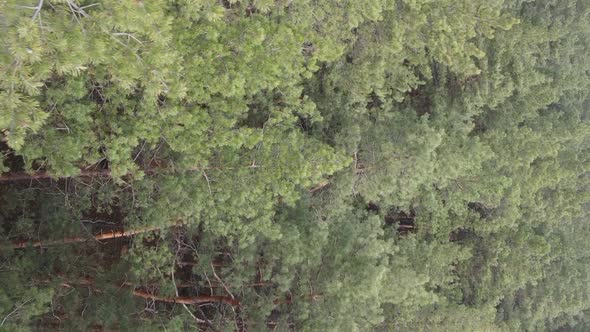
x=38, y=9
x=187, y=299
x=20, y=176
x=99, y=237
x=13, y=311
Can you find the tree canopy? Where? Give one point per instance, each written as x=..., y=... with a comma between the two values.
x=386, y=165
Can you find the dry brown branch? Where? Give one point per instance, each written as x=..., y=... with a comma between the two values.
x=319, y=187
x=407, y=226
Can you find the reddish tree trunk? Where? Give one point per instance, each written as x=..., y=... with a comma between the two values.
x=99, y=237
x=22, y=176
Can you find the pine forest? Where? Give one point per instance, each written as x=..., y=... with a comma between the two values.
x=295, y=165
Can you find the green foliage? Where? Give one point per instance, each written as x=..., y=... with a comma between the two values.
x=302, y=165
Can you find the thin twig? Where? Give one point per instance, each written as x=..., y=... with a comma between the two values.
x=128, y=35
x=90, y=5
x=208, y=183
x=74, y=13
x=77, y=9
x=132, y=51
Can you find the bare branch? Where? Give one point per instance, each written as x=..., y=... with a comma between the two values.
x=221, y=281
x=90, y=5
x=208, y=183
x=128, y=35
x=13, y=312
x=77, y=9
x=38, y=9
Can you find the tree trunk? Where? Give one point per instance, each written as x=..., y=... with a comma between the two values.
x=22, y=176
x=99, y=237
x=188, y=300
